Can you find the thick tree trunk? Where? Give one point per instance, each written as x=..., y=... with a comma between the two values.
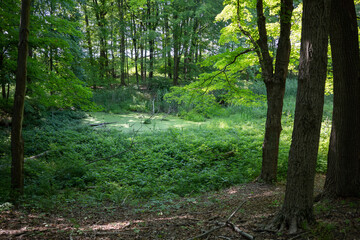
x=275, y=86
x=343, y=176
x=17, y=143
x=298, y=203
x=275, y=96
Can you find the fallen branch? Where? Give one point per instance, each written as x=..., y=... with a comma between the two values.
x=101, y=124
x=237, y=209
x=236, y=229
x=226, y=224
x=38, y=156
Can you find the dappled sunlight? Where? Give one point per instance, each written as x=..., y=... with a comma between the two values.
x=37, y=223
x=136, y=121
x=223, y=125
x=263, y=194
x=127, y=223
x=42, y=225
x=231, y=191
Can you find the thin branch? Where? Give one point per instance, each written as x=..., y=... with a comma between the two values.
x=226, y=224
x=237, y=209
x=246, y=33
x=227, y=65
x=38, y=155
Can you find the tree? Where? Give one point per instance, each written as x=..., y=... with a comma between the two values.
x=122, y=9
x=273, y=75
x=275, y=85
x=17, y=143
x=9, y=24
x=298, y=203
x=343, y=175
x=100, y=11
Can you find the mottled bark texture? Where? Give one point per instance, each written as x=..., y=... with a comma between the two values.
x=17, y=143
x=343, y=176
x=298, y=204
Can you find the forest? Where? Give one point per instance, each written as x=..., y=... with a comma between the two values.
x=179, y=119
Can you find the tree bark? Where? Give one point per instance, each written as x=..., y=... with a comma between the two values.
x=17, y=143
x=298, y=203
x=275, y=85
x=343, y=175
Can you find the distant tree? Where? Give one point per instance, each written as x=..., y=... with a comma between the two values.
x=298, y=203
x=343, y=175
x=122, y=9
x=101, y=9
x=17, y=143
x=9, y=24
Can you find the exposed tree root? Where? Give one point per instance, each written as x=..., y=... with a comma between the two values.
x=289, y=222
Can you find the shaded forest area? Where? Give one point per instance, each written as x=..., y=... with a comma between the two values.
x=196, y=119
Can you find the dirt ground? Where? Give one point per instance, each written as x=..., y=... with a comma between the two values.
x=187, y=218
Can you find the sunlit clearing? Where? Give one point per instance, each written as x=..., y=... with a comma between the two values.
x=223, y=125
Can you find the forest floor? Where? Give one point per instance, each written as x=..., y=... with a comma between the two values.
x=186, y=218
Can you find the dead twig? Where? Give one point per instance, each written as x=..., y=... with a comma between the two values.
x=227, y=223
x=237, y=209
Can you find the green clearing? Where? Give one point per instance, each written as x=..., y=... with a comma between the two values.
x=145, y=158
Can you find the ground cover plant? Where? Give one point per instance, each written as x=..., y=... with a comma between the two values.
x=140, y=157
x=149, y=165
x=150, y=119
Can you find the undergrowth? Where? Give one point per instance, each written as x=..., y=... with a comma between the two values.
x=95, y=165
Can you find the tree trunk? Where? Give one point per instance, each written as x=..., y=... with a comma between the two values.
x=2, y=79
x=275, y=86
x=270, y=149
x=17, y=142
x=343, y=176
x=176, y=42
x=298, y=203
x=89, y=43
x=100, y=13
x=134, y=38
x=121, y=7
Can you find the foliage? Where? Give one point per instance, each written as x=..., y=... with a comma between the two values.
x=153, y=165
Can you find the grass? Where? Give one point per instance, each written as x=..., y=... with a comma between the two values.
x=129, y=161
